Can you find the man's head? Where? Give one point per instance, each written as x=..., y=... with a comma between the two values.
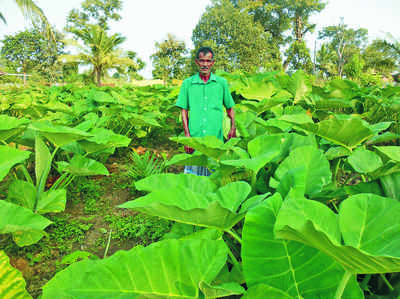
x=205, y=60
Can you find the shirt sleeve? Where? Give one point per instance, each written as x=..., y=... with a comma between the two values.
x=183, y=99
x=228, y=100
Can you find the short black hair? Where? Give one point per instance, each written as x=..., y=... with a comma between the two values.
x=205, y=51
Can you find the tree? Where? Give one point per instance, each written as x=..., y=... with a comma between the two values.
x=100, y=51
x=94, y=12
x=298, y=57
x=325, y=61
x=272, y=15
x=238, y=42
x=299, y=12
x=379, y=57
x=169, y=59
x=135, y=68
x=344, y=42
x=288, y=22
x=33, y=12
x=29, y=51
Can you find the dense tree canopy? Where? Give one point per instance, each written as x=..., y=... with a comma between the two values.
x=239, y=43
x=169, y=59
x=94, y=12
x=29, y=51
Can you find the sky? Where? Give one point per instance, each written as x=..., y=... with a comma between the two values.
x=145, y=22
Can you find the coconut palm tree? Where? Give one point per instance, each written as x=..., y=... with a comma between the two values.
x=33, y=12
x=100, y=51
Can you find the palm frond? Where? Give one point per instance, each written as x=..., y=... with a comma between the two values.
x=31, y=11
x=3, y=18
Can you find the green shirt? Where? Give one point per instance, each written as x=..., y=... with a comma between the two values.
x=205, y=101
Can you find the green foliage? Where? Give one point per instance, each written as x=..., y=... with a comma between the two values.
x=145, y=165
x=63, y=232
x=277, y=17
x=169, y=59
x=379, y=58
x=134, y=69
x=238, y=42
x=323, y=161
x=13, y=284
x=100, y=51
x=195, y=262
x=33, y=12
x=29, y=51
x=94, y=12
x=342, y=44
x=139, y=227
x=298, y=57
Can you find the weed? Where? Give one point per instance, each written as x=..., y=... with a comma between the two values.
x=145, y=229
x=87, y=190
x=145, y=165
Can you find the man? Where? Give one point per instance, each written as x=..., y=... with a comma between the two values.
x=204, y=95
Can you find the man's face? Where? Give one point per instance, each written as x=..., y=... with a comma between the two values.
x=205, y=62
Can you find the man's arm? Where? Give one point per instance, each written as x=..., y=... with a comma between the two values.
x=231, y=114
x=185, y=122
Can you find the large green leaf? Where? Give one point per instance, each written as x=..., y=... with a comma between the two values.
x=217, y=209
x=43, y=161
x=22, y=193
x=337, y=152
x=197, y=159
x=391, y=185
x=368, y=224
x=257, y=90
x=17, y=219
x=102, y=97
x=52, y=201
x=59, y=135
x=262, y=150
x=208, y=145
x=200, y=184
x=364, y=161
x=307, y=168
x=103, y=139
x=12, y=284
x=265, y=291
x=171, y=268
x=26, y=238
x=299, y=86
x=222, y=290
x=11, y=126
x=392, y=152
x=286, y=269
x=349, y=132
x=82, y=166
x=9, y=157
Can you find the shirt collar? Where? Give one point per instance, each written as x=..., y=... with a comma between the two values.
x=197, y=79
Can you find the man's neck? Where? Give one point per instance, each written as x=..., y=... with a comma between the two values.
x=205, y=77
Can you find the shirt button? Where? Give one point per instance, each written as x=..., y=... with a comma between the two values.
x=205, y=108
x=206, y=97
x=204, y=131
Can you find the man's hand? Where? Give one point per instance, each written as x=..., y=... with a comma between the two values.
x=189, y=150
x=232, y=133
x=231, y=114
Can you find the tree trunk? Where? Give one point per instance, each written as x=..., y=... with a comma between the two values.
x=98, y=77
x=299, y=28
